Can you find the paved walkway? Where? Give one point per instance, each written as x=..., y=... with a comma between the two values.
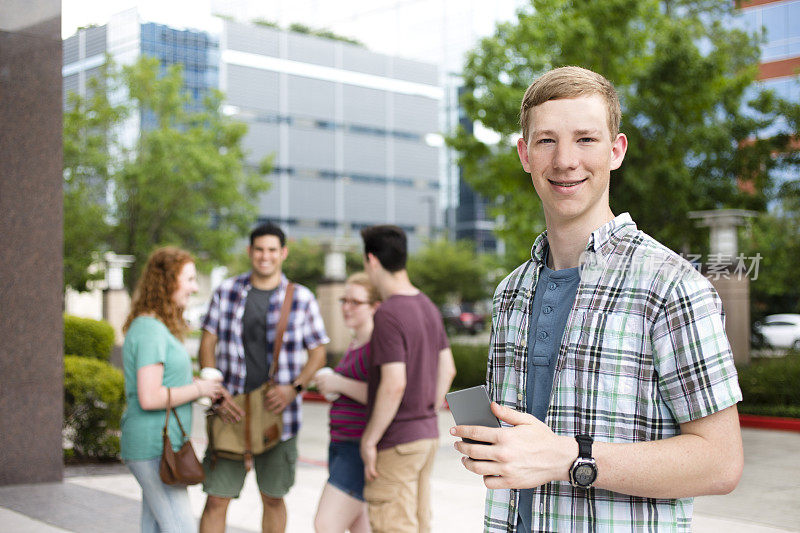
x=107, y=498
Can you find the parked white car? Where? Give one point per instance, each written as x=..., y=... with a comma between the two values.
x=781, y=331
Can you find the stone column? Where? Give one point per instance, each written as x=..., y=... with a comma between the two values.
x=31, y=287
x=328, y=294
x=733, y=287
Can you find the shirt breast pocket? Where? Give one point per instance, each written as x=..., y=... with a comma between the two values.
x=615, y=382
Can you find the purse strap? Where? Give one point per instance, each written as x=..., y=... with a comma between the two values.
x=281, y=328
x=166, y=419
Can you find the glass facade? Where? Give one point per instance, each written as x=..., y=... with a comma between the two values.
x=197, y=51
x=780, y=22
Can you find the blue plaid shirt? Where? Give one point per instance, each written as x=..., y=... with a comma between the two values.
x=304, y=331
x=644, y=351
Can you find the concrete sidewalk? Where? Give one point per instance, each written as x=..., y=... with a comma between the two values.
x=107, y=498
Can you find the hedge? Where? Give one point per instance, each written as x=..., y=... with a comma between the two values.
x=94, y=398
x=470, y=360
x=771, y=387
x=88, y=338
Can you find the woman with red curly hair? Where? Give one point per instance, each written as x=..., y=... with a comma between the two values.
x=155, y=362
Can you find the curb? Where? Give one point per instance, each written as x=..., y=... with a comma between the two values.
x=769, y=422
x=313, y=396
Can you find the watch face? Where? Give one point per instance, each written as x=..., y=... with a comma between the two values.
x=584, y=474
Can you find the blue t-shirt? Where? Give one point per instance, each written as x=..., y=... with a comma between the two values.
x=150, y=342
x=552, y=302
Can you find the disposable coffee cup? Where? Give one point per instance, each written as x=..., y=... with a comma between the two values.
x=211, y=374
x=331, y=396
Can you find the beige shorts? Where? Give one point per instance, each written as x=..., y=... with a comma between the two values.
x=400, y=498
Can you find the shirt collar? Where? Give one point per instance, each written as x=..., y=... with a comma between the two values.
x=602, y=240
x=247, y=285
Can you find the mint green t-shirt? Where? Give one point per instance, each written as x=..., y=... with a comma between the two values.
x=149, y=342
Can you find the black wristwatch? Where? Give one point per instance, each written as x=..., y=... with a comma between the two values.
x=584, y=470
x=298, y=388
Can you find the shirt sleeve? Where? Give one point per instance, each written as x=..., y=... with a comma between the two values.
x=387, y=342
x=691, y=352
x=151, y=348
x=314, y=333
x=211, y=321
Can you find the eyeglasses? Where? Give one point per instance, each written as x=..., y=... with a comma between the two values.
x=351, y=301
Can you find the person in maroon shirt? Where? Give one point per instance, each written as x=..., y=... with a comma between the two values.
x=411, y=369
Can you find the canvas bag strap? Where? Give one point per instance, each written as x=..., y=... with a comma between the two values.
x=281, y=329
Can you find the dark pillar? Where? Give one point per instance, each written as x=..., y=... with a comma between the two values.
x=31, y=359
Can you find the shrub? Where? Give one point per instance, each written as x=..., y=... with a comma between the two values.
x=94, y=398
x=470, y=360
x=770, y=386
x=87, y=337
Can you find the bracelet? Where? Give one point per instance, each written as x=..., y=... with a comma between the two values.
x=199, y=390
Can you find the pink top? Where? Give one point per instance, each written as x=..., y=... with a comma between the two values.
x=348, y=417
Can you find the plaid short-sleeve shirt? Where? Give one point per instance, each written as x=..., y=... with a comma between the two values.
x=304, y=331
x=644, y=350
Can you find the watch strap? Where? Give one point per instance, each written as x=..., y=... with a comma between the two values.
x=584, y=446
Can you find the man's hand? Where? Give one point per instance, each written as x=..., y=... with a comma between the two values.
x=369, y=454
x=227, y=409
x=526, y=455
x=279, y=396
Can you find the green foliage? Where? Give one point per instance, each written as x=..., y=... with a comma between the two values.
x=776, y=237
x=88, y=136
x=94, y=398
x=681, y=72
x=326, y=34
x=769, y=386
x=185, y=182
x=88, y=338
x=451, y=270
x=470, y=360
x=305, y=263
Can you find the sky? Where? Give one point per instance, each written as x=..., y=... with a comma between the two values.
x=438, y=31
x=185, y=13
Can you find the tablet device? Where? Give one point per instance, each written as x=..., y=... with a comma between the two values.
x=470, y=407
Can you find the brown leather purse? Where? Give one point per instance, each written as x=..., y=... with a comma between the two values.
x=181, y=467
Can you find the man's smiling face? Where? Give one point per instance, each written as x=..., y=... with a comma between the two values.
x=570, y=155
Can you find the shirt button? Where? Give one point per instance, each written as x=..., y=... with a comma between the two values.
x=519, y=396
x=542, y=335
x=552, y=286
x=547, y=309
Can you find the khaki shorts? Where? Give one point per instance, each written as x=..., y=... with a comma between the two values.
x=399, y=499
x=274, y=472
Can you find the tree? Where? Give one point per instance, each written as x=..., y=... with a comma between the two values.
x=88, y=130
x=305, y=263
x=183, y=182
x=776, y=240
x=451, y=270
x=682, y=74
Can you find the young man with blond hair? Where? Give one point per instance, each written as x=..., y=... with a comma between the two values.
x=608, y=362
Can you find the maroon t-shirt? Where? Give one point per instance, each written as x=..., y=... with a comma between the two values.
x=408, y=329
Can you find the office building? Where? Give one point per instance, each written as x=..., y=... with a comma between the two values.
x=349, y=131
x=125, y=38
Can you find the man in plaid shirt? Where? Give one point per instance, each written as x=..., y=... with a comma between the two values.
x=609, y=365
x=238, y=335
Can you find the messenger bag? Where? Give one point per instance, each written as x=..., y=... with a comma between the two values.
x=260, y=429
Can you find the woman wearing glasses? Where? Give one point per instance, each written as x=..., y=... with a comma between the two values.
x=341, y=506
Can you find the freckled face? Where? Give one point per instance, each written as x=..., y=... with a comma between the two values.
x=570, y=155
